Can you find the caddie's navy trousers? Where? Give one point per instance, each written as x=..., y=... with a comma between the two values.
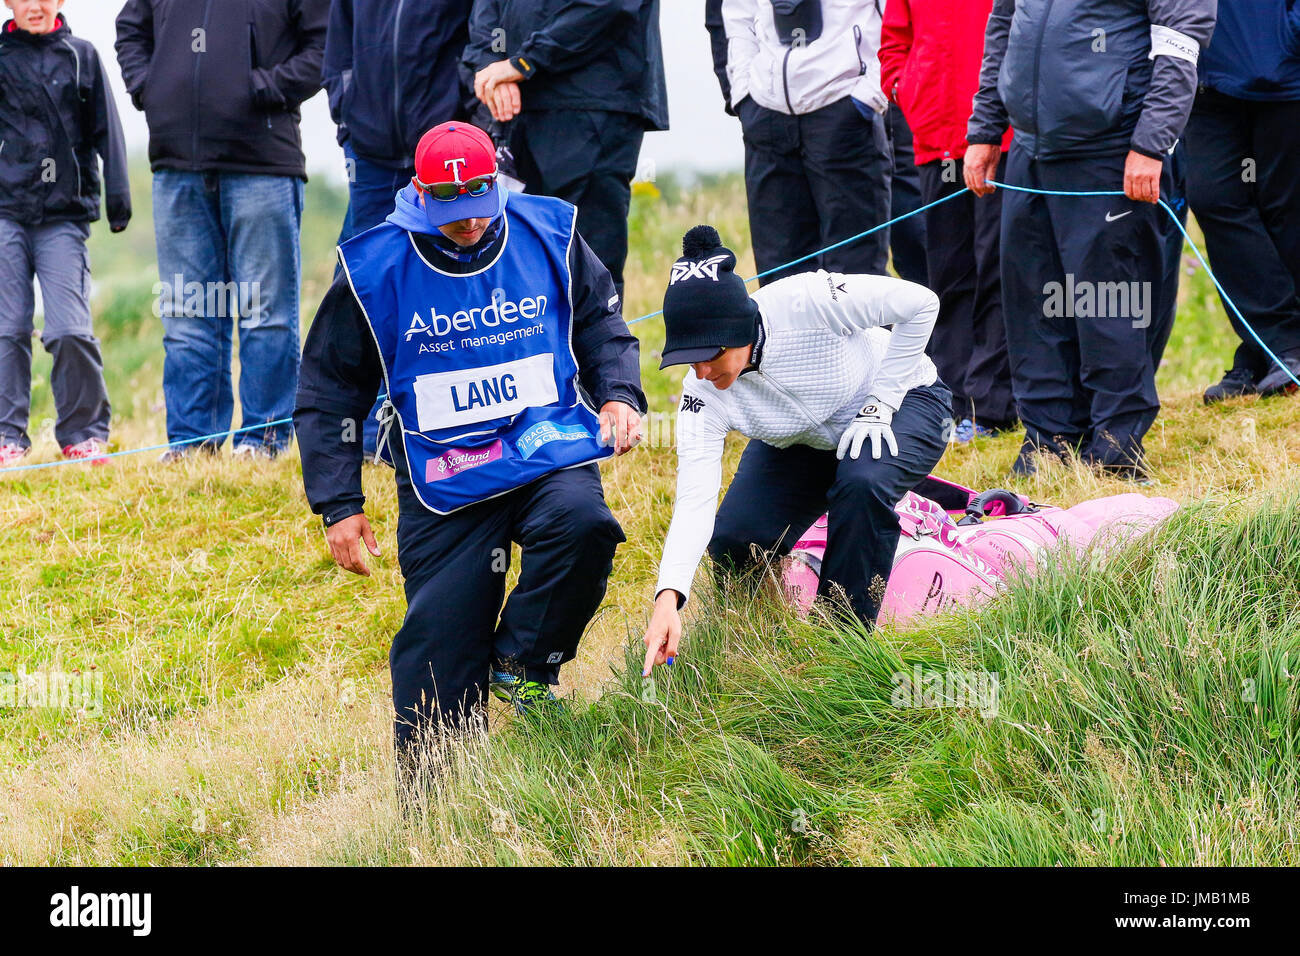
x=455, y=569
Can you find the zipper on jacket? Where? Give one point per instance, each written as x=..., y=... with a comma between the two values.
x=1038, y=57
x=791, y=396
x=253, y=58
x=76, y=163
x=397, y=80
x=198, y=61
x=785, y=79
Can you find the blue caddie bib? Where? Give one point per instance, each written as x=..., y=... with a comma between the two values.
x=479, y=368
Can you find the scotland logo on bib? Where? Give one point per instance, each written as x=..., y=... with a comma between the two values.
x=479, y=367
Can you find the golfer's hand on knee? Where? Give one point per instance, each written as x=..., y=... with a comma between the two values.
x=664, y=633
x=620, y=426
x=345, y=539
x=873, y=422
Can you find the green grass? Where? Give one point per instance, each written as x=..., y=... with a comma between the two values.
x=1146, y=716
x=1146, y=710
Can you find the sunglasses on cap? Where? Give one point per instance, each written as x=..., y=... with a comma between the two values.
x=446, y=192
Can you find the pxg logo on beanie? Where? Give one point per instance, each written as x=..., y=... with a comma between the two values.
x=457, y=153
x=706, y=306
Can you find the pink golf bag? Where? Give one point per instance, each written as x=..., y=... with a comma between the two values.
x=942, y=563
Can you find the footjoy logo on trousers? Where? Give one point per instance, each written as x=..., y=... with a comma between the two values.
x=77, y=909
x=461, y=459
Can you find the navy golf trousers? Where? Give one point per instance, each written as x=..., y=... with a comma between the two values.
x=1089, y=291
x=455, y=569
x=778, y=492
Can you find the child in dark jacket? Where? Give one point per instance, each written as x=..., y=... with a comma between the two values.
x=57, y=119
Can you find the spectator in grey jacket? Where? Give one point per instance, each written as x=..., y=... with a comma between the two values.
x=1098, y=93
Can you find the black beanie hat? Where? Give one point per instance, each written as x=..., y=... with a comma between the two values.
x=706, y=307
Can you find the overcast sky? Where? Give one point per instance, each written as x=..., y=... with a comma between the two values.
x=702, y=136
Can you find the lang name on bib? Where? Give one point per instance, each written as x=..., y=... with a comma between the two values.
x=473, y=395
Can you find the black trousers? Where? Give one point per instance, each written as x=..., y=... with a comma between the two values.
x=455, y=572
x=1089, y=298
x=778, y=492
x=907, y=238
x=963, y=247
x=588, y=158
x=813, y=180
x=1243, y=180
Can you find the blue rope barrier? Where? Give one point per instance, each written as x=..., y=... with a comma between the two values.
x=140, y=451
x=760, y=275
x=832, y=246
x=1186, y=238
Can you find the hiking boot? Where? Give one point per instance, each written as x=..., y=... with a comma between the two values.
x=1236, y=382
x=525, y=696
x=92, y=450
x=11, y=453
x=1282, y=381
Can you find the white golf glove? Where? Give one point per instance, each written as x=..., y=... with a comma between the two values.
x=873, y=422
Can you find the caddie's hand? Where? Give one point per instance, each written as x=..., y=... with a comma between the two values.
x=873, y=422
x=979, y=165
x=345, y=540
x=664, y=633
x=487, y=79
x=1142, y=177
x=620, y=426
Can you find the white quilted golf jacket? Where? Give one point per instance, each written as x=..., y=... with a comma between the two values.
x=825, y=352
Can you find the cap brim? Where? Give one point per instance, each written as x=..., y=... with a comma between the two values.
x=488, y=206
x=688, y=356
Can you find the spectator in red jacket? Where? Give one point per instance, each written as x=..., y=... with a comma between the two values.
x=930, y=54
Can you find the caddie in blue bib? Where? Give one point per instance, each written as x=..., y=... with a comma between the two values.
x=495, y=333
x=479, y=367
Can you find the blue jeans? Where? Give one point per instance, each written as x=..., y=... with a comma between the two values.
x=372, y=194
x=227, y=247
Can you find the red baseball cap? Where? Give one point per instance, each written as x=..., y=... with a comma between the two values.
x=457, y=152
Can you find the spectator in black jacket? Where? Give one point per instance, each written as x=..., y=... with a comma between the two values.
x=580, y=81
x=1243, y=181
x=57, y=122
x=392, y=71
x=221, y=84
x=1098, y=93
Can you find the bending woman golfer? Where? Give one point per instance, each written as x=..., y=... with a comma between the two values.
x=840, y=412
x=485, y=320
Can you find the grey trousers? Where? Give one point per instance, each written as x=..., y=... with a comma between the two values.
x=55, y=254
